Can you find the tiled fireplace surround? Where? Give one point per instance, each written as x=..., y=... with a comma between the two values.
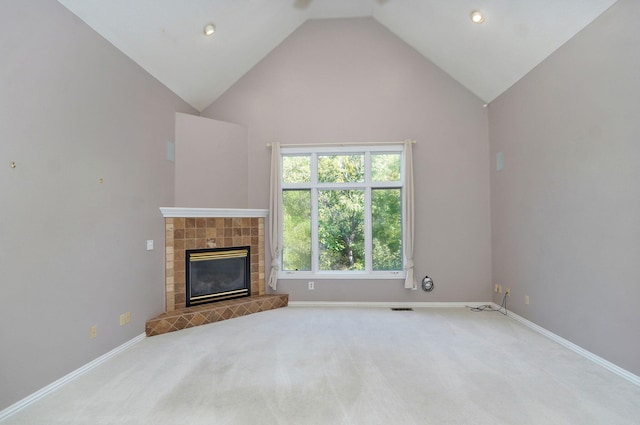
x=197, y=228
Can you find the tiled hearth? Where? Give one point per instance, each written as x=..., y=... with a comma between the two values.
x=198, y=228
x=208, y=313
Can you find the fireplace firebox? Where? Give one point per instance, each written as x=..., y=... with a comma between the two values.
x=216, y=274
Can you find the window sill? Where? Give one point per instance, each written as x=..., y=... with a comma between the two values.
x=400, y=275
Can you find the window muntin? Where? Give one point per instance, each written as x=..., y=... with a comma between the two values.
x=342, y=212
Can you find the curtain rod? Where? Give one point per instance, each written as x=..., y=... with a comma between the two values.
x=301, y=145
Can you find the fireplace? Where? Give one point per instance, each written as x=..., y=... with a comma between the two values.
x=216, y=274
x=203, y=229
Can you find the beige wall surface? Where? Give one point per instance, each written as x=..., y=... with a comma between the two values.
x=74, y=110
x=563, y=228
x=341, y=80
x=210, y=164
x=566, y=208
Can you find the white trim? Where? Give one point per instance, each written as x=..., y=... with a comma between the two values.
x=27, y=401
x=345, y=276
x=383, y=304
x=212, y=212
x=365, y=188
x=634, y=379
x=341, y=144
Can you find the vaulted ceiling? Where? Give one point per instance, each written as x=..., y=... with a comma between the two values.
x=165, y=37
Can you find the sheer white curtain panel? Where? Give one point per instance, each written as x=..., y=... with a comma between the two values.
x=407, y=204
x=275, y=205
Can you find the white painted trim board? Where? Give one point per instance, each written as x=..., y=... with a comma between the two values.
x=16, y=407
x=565, y=343
x=384, y=304
x=635, y=379
x=212, y=212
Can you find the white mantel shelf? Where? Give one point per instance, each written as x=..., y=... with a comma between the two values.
x=212, y=212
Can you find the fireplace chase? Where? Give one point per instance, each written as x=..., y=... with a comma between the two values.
x=217, y=274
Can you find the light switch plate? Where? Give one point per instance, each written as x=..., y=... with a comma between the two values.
x=171, y=151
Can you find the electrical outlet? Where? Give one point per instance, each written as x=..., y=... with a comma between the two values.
x=500, y=289
x=495, y=288
x=526, y=299
x=312, y=286
x=122, y=319
x=127, y=317
x=93, y=333
x=507, y=292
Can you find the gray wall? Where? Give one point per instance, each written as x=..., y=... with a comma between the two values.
x=566, y=208
x=73, y=109
x=211, y=163
x=340, y=80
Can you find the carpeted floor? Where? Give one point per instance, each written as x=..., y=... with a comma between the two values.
x=345, y=366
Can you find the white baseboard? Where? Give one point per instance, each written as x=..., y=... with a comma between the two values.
x=567, y=344
x=635, y=379
x=384, y=304
x=14, y=408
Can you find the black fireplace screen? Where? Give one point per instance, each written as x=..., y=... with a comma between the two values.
x=217, y=274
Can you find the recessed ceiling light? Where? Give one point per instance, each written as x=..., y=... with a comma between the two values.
x=209, y=29
x=477, y=17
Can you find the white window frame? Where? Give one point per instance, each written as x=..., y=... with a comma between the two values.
x=367, y=185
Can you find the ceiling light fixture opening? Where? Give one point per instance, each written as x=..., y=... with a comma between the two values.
x=477, y=17
x=209, y=29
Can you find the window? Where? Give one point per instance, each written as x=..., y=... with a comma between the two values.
x=342, y=212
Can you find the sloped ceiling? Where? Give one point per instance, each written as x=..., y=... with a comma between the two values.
x=166, y=38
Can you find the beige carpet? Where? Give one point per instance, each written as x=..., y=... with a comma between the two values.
x=345, y=366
